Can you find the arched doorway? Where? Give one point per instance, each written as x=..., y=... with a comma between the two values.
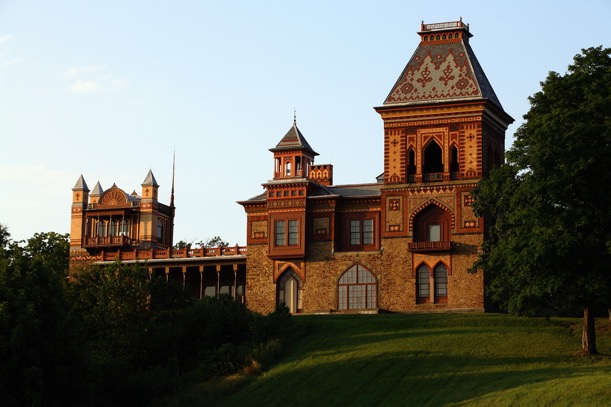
x=289, y=291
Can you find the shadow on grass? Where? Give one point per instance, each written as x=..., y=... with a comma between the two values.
x=415, y=360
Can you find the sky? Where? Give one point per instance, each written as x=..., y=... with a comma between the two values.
x=111, y=89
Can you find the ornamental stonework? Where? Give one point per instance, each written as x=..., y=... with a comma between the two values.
x=259, y=229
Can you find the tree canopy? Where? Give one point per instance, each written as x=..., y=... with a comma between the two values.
x=550, y=243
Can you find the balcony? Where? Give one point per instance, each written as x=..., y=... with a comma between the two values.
x=106, y=241
x=421, y=247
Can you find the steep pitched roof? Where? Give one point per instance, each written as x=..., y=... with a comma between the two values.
x=443, y=68
x=293, y=139
x=80, y=185
x=97, y=189
x=150, y=180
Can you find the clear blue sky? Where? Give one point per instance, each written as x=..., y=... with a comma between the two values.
x=109, y=89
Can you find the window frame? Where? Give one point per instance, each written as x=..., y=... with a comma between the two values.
x=360, y=232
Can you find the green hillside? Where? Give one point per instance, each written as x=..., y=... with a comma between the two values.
x=441, y=359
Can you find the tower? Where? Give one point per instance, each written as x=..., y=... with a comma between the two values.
x=444, y=129
x=80, y=200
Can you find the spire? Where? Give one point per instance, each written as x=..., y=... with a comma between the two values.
x=294, y=140
x=97, y=189
x=150, y=180
x=81, y=185
x=173, y=173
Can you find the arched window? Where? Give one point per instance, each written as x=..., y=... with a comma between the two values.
x=433, y=162
x=443, y=37
x=357, y=289
x=432, y=224
x=288, y=291
x=159, y=230
x=450, y=36
x=441, y=283
x=287, y=168
x=423, y=285
x=454, y=159
x=411, y=162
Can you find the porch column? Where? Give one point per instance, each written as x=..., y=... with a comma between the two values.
x=218, y=279
x=201, y=282
x=235, y=282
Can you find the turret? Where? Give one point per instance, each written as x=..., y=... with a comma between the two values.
x=80, y=200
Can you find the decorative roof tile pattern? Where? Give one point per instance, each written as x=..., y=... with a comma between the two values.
x=441, y=71
x=293, y=139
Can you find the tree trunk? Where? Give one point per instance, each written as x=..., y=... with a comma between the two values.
x=588, y=338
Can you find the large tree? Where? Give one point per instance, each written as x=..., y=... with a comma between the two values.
x=550, y=244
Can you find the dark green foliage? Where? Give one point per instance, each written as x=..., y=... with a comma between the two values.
x=113, y=336
x=550, y=243
x=144, y=338
x=38, y=356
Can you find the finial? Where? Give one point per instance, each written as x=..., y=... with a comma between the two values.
x=294, y=117
x=173, y=172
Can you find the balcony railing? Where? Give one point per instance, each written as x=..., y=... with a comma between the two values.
x=443, y=26
x=445, y=245
x=107, y=241
x=174, y=254
x=433, y=176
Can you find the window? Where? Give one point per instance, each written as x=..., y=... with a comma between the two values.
x=289, y=291
x=454, y=159
x=434, y=232
x=159, y=230
x=113, y=228
x=101, y=232
x=432, y=159
x=357, y=289
x=361, y=232
x=124, y=228
x=441, y=283
x=432, y=224
x=287, y=168
x=411, y=162
x=293, y=232
x=280, y=229
x=422, y=284
x=280, y=233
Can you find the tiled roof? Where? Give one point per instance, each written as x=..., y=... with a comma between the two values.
x=97, y=189
x=81, y=184
x=442, y=71
x=150, y=180
x=293, y=139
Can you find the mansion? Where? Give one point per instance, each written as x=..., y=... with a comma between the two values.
x=404, y=242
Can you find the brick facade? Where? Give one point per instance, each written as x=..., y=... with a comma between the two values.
x=406, y=242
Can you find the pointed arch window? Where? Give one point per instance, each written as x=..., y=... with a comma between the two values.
x=454, y=162
x=289, y=291
x=159, y=230
x=357, y=289
x=411, y=165
x=423, y=291
x=432, y=166
x=441, y=283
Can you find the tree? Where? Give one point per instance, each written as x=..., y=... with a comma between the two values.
x=215, y=241
x=551, y=240
x=39, y=362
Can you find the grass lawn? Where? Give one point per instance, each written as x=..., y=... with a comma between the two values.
x=433, y=359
